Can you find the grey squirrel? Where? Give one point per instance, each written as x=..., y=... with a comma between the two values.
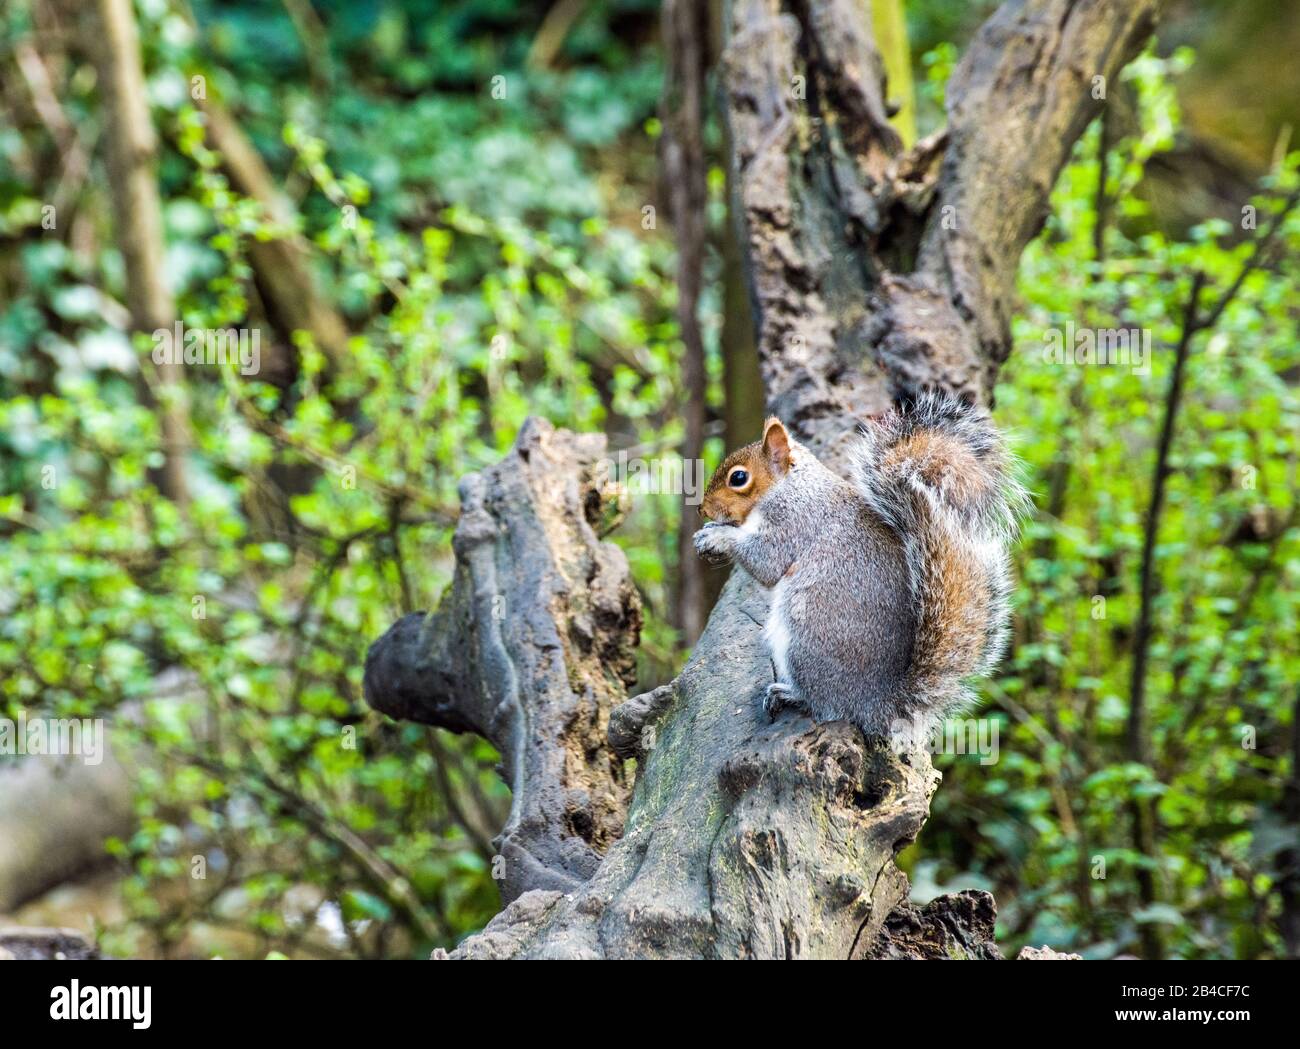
x=888, y=591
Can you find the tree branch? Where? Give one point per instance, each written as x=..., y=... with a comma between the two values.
x=131, y=152
x=684, y=176
x=531, y=648
x=1021, y=96
x=746, y=838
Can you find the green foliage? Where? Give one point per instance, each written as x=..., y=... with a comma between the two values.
x=1039, y=826
x=226, y=644
x=276, y=811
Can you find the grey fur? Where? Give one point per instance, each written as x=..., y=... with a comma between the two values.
x=856, y=570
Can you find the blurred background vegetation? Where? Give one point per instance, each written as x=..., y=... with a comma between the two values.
x=442, y=218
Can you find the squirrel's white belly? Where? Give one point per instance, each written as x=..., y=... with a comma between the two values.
x=776, y=634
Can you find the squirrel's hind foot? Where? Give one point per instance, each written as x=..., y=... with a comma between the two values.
x=779, y=697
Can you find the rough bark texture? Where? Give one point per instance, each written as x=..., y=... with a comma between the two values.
x=1045, y=954
x=872, y=274
x=742, y=408
x=45, y=944
x=531, y=648
x=957, y=927
x=744, y=838
x=877, y=273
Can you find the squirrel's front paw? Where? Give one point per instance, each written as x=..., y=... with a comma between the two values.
x=716, y=542
x=779, y=697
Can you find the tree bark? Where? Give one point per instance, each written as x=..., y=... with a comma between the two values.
x=531, y=648
x=55, y=814
x=873, y=273
x=742, y=386
x=131, y=149
x=684, y=176
x=18, y=944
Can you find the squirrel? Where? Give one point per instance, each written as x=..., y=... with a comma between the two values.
x=889, y=591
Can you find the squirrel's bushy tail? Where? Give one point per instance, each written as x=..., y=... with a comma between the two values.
x=937, y=472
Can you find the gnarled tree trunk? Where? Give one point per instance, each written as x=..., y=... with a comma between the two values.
x=873, y=273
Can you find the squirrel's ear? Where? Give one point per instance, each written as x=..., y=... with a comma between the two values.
x=776, y=445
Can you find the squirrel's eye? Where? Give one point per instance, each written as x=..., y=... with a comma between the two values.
x=738, y=478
